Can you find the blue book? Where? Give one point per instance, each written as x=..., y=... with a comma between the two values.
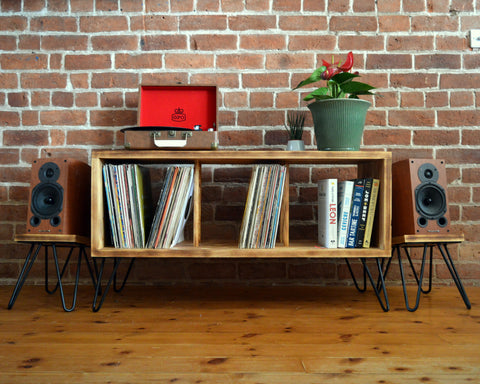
x=355, y=212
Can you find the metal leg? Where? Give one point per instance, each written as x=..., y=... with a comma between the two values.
x=27, y=266
x=52, y=291
x=419, y=281
x=415, y=273
x=355, y=280
x=380, y=283
x=98, y=289
x=453, y=271
x=59, y=277
x=124, y=280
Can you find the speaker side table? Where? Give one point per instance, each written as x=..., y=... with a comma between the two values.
x=428, y=242
x=37, y=241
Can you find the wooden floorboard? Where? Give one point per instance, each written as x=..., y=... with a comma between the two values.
x=279, y=335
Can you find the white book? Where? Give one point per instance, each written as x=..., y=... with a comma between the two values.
x=327, y=213
x=344, y=202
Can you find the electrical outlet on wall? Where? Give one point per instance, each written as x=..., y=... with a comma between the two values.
x=475, y=38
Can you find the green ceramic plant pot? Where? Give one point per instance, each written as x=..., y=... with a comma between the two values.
x=339, y=123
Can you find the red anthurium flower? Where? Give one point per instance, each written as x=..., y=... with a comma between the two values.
x=347, y=66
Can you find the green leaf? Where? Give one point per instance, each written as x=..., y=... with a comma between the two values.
x=314, y=77
x=319, y=93
x=344, y=77
x=356, y=87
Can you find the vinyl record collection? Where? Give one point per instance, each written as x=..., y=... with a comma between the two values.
x=128, y=196
x=262, y=210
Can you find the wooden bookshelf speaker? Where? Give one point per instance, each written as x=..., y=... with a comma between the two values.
x=59, y=201
x=419, y=197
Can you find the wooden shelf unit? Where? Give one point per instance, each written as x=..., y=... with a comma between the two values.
x=376, y=164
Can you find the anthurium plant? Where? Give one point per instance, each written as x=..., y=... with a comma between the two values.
x=339, y=80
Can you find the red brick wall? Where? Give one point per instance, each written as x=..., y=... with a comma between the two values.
x=70, y=70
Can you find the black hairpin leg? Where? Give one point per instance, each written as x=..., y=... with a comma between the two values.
x=380, y=285
x=415, y=273
x=47, y=289
x=419, y=280
x=27, y=266
x=113, y=278
x=453, y=271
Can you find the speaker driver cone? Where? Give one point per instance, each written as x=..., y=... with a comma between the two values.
x=49, y=172
x=47, y=200
x=430, y=200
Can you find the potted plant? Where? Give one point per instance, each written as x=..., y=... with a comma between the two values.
x=338, y=113
x=294, y=127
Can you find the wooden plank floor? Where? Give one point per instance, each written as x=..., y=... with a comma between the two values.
x=240, y=335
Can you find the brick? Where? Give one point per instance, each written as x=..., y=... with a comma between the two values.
x=28, y=42
x=155, y=6
x=462, y=6
x=262, y=270
x=163, y=42
x=388, y=61
x=113, y=118
x=469, y=22
x=208, y=5
x=434, y=23
x=106, y=5
x=40, y=98
x=388, y=6
x=413, y=43
x=165, y=78
x=81, y=5
x=53, y=23
x=265, y=80
x=437, y=61
x=62, y=99
x=84, y=62
x=18, y=99
x=471, y=213
x=261, y=100
x=436, y=99
x=413, y=80
x=8, y=43
x=235, y=99
x=90, y=137
x=29, y=118
x=393, y=23
x=115, y=80
x=303, y=23
x=59, y=117
x=56, y=61
x=412, y=118
x=413, y=6
x=459, y=155
x=229, y=80
x=241, y=138
x=458, y=194
x=237, y=6
x=387, y=99
x=459, y=81
x=367, y=43
x=202, y=22
x=289, y=61
x=253, y=22
x=260, y=118
x=111, y=100
x=451, y=43
x=212, y=270
x=9, y=118
x=411, y=99
x=188, y=61
x=309, y=43
x=387, y=136
x=13, y=23
x=154, y=23
x=8, y=80
x=43, y=80
x=91, y=24
x=471, y=61
x=314, y=5
x=213, y=42
x=80, y=80
x=144, y=60
x=286, y=100
x=314, y=270
x=462, y=99
x=287, y=5
x=258, y=5
x=338, y=5
x=25, y=137
x=8, y=156
x=353, y=23
x=470, y=175
x=57, y=137
x=265, y=42
x=23, y=61
x=364, y=5
x=436, y=137
x=376, y=118
x=471, y=137
x=115, y=43
x=240, y=61
x=64, y=43
x=459, y=117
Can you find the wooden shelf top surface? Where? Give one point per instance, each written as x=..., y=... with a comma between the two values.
x=51, y=238
x=428, y=238
x=220, y=156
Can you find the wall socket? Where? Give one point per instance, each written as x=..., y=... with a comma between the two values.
x=475, y=38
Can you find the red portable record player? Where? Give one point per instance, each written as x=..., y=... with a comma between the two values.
x=179, y=117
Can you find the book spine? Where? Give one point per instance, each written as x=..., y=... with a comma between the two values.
x=355, y=213
x=345, y=192
x=327, y=213
x=362, y=220
x=371, y=213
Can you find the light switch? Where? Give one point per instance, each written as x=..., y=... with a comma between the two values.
x=475, y=38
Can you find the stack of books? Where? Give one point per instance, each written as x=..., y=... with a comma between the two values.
x=262, y=210
x=128, y=196
x=346, y=212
